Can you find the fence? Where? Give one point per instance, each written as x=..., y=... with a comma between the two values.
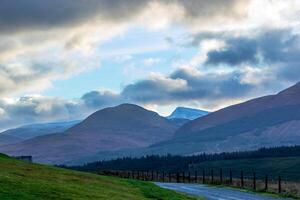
x=240, y=179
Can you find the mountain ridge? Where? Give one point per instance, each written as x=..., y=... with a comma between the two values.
x=187, y=113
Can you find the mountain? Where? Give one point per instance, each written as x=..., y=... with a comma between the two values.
x=187, y=113
x=116, y=128
x=33, y=130
x=7, y=139
x=272, y=120
x=268, y=121
x=178, y=122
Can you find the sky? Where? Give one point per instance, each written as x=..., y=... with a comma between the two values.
x=64, y=59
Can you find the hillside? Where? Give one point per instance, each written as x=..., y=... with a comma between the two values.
x=7, y=139
x=290, y=96
x=122, y=127
x=21, y=180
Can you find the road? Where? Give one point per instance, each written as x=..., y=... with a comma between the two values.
x=214, y=193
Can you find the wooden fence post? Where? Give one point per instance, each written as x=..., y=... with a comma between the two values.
x=230, y=177
x=183, y=177
x=163, y=176
x=157, y=176
x=177, y=177
x=134, y=174
x=221, y=176
x=212, y=175
x=279, y=184
x=203, y=176
x=189, y=177
x=254, y=181
x=196, y=177
x=138, y=175
x=242, y=179
x=266, y=182
x=170, y=177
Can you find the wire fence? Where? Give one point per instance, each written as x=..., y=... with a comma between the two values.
x=236, y=178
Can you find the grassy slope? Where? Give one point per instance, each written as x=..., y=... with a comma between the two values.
x=21, y=180
x=287, y=167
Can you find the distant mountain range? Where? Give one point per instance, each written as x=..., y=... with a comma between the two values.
x=130, y=130
x=34, y=130
x=187, y=113
x=125, y=126
x=262, y=122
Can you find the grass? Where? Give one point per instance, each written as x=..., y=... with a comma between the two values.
x=26, y=181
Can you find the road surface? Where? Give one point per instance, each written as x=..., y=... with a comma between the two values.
x=214, y=193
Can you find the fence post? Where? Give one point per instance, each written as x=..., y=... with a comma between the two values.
x=230, y=177
x=279, y=184
x=196, y=176
x=157, y=176
x=183, y=177
x=203, y=176
x=163, y=176
x=221, y=176
x=189, y=177
x=266, y=182
x=152, y=176
x=170, y=177
x=212, y=175
x=242, y=179
x=254, y=181
x=138, y=175
x=177, y=177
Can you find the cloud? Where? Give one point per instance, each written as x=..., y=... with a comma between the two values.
x=151, y=61
x=65, y=30
x=265, y=47
x=31, y=109
x=100, y=99
x=237, y=51
x=37, y=109
x=187, y=85
x=34, y=14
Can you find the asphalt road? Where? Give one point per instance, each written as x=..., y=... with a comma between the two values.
x=214, y=193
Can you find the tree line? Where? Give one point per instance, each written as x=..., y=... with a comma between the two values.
x=174, y=163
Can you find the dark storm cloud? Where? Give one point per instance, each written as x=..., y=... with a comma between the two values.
x=198, y=87
x=31, y=14
x=269, y=47
x=36, y=14
x=237, y=51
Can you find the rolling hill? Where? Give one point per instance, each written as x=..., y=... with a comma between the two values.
x=26, y=181
x=122, y=127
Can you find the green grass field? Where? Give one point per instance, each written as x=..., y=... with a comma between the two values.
x=26, y=181
x=287, y=167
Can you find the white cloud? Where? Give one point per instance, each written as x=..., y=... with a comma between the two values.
x=151, y=61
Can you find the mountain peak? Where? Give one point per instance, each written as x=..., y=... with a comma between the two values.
x=187, y=113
